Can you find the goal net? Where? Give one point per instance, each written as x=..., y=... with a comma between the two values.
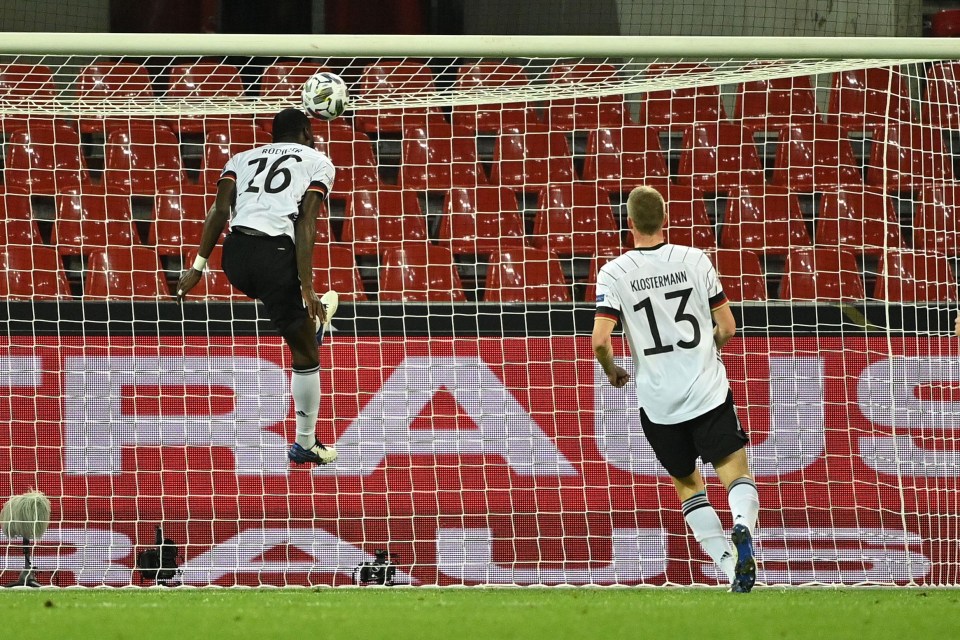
x=480, y=185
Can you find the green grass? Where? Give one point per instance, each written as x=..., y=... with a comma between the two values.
x=464, y=614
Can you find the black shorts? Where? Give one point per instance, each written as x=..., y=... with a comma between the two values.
x=265, y=268
x=711, y=437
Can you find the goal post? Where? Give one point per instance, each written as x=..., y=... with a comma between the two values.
x=480, y=185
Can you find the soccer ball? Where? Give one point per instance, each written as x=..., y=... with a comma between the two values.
x=324, y=95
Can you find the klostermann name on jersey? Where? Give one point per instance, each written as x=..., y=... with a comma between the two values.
x=664, y=297
x=271, y=182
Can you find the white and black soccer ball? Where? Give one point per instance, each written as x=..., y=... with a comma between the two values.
x=325, y=95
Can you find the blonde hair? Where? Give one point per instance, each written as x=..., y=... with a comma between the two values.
x=646, y=210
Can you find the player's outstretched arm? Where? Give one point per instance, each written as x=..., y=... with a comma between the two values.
x=305, y=232
x=212, y=228
x=603, y=350
x=726, y=325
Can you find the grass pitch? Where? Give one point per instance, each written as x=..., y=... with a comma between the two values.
x=464, y=614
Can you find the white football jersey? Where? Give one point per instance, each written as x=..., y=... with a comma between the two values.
x=663, y=296
x=271, y=181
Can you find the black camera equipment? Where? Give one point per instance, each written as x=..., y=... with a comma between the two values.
x=381, y=571
x=159, y=563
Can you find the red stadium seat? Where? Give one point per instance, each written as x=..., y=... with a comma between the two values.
x=764, y=220
x=718, y=157
x=125, y=272
x=673, y=108
x=866, y=98
x=390, y=78
x=859, y=221
x=621, y=159
x=202, y=80
x=91, y=222
x=439, y=158
x=585, y=112
x=285, y=80
x=525, y=275
x=22, y=85
x=143, y=161
x=178, y=222
x=740, y=274
x=765, y=105
x=352, y=153
x=575, y=220
x=419, y=272
x=910, y=277
x=45, y=159
x=821, y=274
x=686, y=220
x=492, y=74
x=32, y=273
x=529, y=160
x=377, y=220
x=936, y=222
x=334, y=268
x=480, y=221
x=590, y=292
x=214, y=285
x=940, y=106
x=222, y=142
x=907, y=158
x=945, y=23
x=17, y=227
x=815, y=158
x=106, y=80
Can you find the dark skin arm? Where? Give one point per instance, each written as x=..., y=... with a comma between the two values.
x=305, y=232
x=212, y=228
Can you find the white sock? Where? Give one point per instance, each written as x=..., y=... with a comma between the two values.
x=706, y=527
x=744, y=502
x=305, y=389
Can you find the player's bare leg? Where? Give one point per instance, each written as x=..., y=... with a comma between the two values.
x=704, y=522
x=734, y=472
x=305, y=388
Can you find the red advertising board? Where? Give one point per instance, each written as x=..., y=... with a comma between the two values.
x=491, y=461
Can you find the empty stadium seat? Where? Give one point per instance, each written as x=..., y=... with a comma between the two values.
x=907, y=158
x=766, y=105
x=862, y=99
x=525, y=275
x=529, y=160
x=575, y=220
x=673, y=108
x=223, y=141
x=686, y=221
x=906, y=276
x=285, y=80
x=815, y=158
x=718, y=157
x=419, y=272
x=619, y=160
x=45, y=158
x=492, y=74
x=391, y=78
x=861, y=221
x=821, y=274
x=178, y=222
x=480, y=221
x=214, y=285
x=143, y=161
x=936, y=227
x=740, y=274
x=125, y=273
x=585, y=112
x=438, y=158
x=377, y=220
x=17, y=227
x=202, y=80
x=23, y=84
x=764, y=220
x=89, y=222
x=107, y=80
x=334, y=268
x=940, y=106
x=352, y=154
x=32, y=272
x=590, y=291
